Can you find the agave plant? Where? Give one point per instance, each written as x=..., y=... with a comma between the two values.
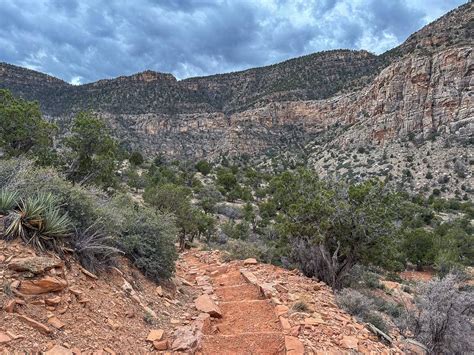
x=8, y=200
x=38, y=221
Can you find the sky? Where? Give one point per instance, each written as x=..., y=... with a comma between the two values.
x=81, y=41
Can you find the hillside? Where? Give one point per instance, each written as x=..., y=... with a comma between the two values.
x=51, y=306
x=151, y=103
x=412, y=94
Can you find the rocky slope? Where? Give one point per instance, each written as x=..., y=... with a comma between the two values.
x=210, y=307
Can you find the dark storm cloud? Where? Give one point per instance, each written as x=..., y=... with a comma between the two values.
x=87, y=40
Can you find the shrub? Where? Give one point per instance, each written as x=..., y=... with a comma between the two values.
x=418, y=245
x=38, y=221
x=360, y=306
x=94, y=248
x=242, y=249
x=147, y=237
x=354, y=302
x=203, y=167
x=443, y=319
x=300, y=306
x=136, y=158
x=8, y=200
x=230, y=211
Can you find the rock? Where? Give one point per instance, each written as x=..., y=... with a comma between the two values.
x=109, y=351
x=35, y=264
x=159, y=291
x=160, y=345
x=155, y=334
x=75, y=291
x=411, y=346
x=56, y=323
x=4, y=338
x=293, y=346
x=58, y=350
x=88, y=273
x=203, y=322
x=267, y=289
x=9, y=306
x=308, y=322
x=281, y=309
x=14, y=285
x=285, y=324
x=250, y=261
x=53, y=301
x=249, y=276
x=43, y=285
x=281, y=288
x=205, y=304
x=350, y=342
x=34, y=324
x=186, y=338
x=113, y=324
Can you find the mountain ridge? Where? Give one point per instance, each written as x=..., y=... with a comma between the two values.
x=279, y=106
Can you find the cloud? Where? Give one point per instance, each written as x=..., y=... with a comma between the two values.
x=88, y=40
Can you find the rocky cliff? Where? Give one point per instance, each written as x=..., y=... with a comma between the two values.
x=422, y=87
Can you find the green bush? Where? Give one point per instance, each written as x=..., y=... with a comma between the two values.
x=203, y=167
x=147, y=237
x=102, y=224
x=38, y=221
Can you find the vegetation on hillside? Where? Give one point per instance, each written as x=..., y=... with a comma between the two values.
x=97, y=201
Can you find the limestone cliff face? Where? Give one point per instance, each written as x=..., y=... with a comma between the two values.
x=419, y=94
x=423, y=86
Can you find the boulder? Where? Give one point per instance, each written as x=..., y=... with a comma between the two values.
x=293, y=346
x=43, y=285
x=186, y=338
x=155, y=334
x=160, y=345
x=34, y=264
x=205, y=304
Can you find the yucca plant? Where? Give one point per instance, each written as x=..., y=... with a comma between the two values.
x=8, y=200
x=93, y=247
x=39, y=222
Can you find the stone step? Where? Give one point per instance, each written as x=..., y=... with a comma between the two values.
x=238, y=293
x=247, y=317
x=262, y=343
x=231, y=278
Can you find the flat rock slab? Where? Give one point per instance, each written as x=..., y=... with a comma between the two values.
x=205, y=304
x=293, y=346
x=35, y=264
x=43, y=285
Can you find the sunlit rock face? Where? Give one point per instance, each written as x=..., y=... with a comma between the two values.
x=422, y=87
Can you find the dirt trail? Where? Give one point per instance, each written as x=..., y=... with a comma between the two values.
x=249, y=324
